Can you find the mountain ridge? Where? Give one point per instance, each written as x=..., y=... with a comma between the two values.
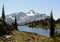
x=25, y=17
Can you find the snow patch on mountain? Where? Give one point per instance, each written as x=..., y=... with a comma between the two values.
x=25, y=17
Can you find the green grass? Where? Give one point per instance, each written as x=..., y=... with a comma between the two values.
x=58, y=26
x=21, y=36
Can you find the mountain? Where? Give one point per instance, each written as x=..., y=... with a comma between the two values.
x=25, y=17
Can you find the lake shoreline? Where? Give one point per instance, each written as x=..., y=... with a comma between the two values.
x=41, y=27
x=21, y=36
x=41, y=31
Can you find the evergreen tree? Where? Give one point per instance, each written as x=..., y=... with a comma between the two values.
x=3, y=14
x=52, y=29
x=15, y=24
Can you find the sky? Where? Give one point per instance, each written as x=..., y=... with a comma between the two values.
x=39, y=6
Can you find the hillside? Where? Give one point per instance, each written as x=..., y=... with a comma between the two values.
x=20, y=36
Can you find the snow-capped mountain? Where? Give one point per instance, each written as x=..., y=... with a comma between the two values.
x=25, y=17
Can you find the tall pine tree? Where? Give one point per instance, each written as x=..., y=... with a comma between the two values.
x=3, y=14
x=15, y=24
x=52, y=29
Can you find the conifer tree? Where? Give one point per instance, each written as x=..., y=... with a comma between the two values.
x=52, y=29
x=15, y=24
x=3, y=14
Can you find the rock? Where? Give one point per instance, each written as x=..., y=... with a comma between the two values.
x=8, y=38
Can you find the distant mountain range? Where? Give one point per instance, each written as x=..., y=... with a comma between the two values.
x=25, y=17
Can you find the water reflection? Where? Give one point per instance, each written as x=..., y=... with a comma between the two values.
x=44, y=32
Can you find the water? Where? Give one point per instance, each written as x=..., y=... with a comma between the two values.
x=44, y=32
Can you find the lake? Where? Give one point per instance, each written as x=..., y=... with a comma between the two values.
x=41, y=31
